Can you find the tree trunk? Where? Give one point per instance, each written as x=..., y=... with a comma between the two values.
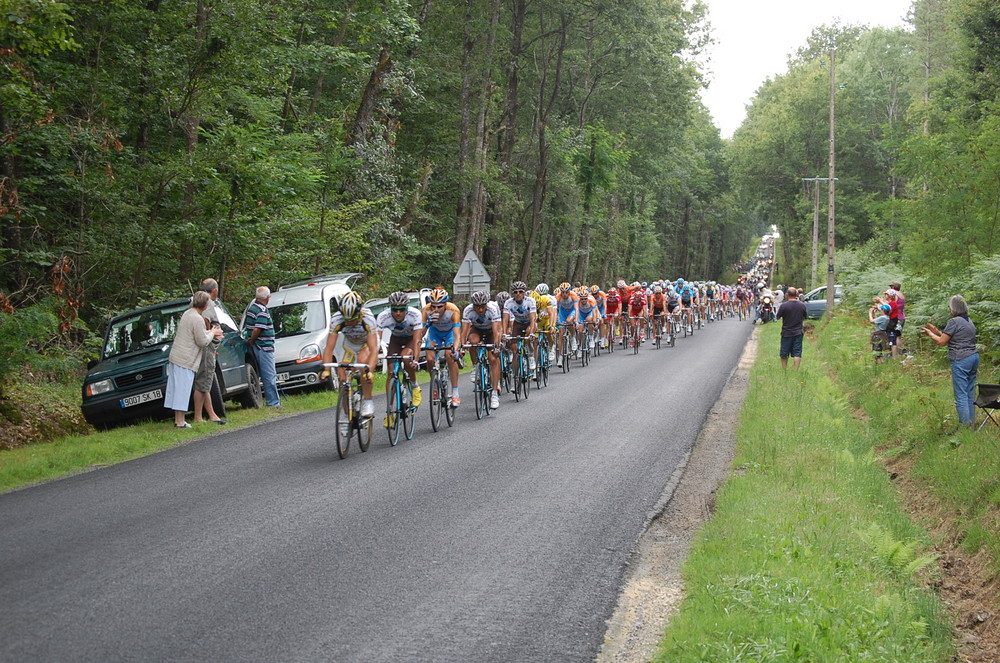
x=362, y=120
x=191, y=123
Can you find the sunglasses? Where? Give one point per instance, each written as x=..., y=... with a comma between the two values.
x=517, y=292
x=397, y=308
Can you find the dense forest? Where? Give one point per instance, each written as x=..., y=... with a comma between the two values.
x=146, y=145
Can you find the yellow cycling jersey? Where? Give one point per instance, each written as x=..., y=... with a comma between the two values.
x=542, y=304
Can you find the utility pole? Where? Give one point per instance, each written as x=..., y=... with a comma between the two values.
x=831, y=188
x=815, y=251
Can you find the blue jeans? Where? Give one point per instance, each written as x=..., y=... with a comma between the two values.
x=268, y=375
x=963, y=380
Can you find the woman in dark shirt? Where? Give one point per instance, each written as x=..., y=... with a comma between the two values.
x=960, y=337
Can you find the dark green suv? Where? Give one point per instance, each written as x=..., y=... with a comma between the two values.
x=129, y=381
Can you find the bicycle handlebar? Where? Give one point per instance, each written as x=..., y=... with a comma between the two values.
x=358, y=367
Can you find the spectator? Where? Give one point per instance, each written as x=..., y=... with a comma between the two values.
x=878, y=315
x=901, y=301
x=791, y=313
x=891, y=298
x=960, y=337
x=258, y=318
x=185, y=357
x=205, y=376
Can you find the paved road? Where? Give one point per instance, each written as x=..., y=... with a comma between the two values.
x=500, y=540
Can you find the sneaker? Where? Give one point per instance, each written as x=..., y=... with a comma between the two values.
x=559, y=362
x=418, y=397
x=455, y=401
x=367, y=408
x=494, y=400
x=389, y=420
x=552, y=355
x=531, y=363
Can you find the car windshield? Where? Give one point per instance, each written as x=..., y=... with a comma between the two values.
x=301, y=318
x=144, y=330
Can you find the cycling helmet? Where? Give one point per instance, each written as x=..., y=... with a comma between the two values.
x=350, y=305
x=645, y=285
x=621, y=283
x=658, y=289
x=885, y=308
x=480, y=298
x=398, y=299
x=518, y=285
x=438, y=296
x=595, y=289
x=502, y=298
x=564, y=286
x=542, y=288
x=612, y=290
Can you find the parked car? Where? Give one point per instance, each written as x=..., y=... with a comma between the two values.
x=417, y=300
x=815, y=300
x=301, y=313
x=129, y=380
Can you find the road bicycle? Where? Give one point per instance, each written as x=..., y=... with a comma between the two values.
x=521, y=367
x=587, y=336
x=565, y=342
x=542, y=362
x=440, y=390
x=483, y=385
x=348, y=420
x=506, y=368
x=634, y=333
x=657, y=330
x=399, y=401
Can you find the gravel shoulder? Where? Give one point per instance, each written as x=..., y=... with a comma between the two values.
x=654, y=588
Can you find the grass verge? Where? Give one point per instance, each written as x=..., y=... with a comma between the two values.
x=809, y=555
x=68, y=454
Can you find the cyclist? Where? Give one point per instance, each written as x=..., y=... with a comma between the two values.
x=545, y=308
x=403, y=322
x=710, y=294
x=613, y=310
x=567, y=304
x=637, y=309
x=689, y=299
x=602, y=300
x=588, y=312
x=442, y=319
x=520, y=318
x=359, y=328
x=657, y=305
x=481, y=324
x=501, y=299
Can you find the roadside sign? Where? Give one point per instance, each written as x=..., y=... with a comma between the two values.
x=471, y=276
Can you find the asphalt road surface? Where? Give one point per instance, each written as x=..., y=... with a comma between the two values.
x=497, y=540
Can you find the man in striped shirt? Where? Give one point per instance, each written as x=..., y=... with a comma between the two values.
x=258, y=320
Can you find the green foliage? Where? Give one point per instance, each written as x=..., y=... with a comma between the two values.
x=31, y=344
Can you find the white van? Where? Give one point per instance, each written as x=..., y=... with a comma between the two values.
x=301, y=313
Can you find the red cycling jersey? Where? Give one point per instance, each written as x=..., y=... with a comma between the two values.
x=637, y=302
x=612, y=304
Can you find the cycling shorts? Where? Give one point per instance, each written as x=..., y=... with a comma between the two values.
x=519, y=329
x=564, y=315
x=657, y=311
x=546, y=323
x=636, y=312
x=399, y=343
x=685, y=302
x=485, y=335
x=436, y=337
x=671, y=307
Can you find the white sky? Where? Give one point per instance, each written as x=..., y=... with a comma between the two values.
x=753, y=39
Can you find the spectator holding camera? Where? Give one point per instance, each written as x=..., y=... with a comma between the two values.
x=960, y=337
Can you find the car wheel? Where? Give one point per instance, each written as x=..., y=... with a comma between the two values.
x=253, y=397
x=218, y=402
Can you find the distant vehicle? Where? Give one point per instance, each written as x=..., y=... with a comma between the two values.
x=815, y=300
x=301, y=313
x=129, y=380
x=417, y=300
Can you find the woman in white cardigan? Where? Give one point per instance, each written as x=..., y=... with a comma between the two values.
x=185, y=357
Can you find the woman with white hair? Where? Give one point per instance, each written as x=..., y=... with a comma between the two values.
x=960, y=337
x=185, y=357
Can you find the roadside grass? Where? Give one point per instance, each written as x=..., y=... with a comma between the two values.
x=808, y=555
x=911, y=410
x=74, y=453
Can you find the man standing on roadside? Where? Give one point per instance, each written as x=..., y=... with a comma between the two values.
x=205, y=376
x=792, y=313
x=258, y=319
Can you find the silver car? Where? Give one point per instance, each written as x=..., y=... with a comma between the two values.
x=815, y=300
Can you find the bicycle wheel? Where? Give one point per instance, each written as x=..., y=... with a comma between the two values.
x=343, y=432
x=408, y=412
x=526, y=381
x=518, y=370
x=635, y=341
x=444, y=391
x=437, y=399
x=393, y=411
x=506, y=371
x=482, y=393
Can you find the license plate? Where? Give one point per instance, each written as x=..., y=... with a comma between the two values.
x=282, y=377
x=138, y=399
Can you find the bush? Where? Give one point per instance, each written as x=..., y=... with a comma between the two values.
x=31, y=342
